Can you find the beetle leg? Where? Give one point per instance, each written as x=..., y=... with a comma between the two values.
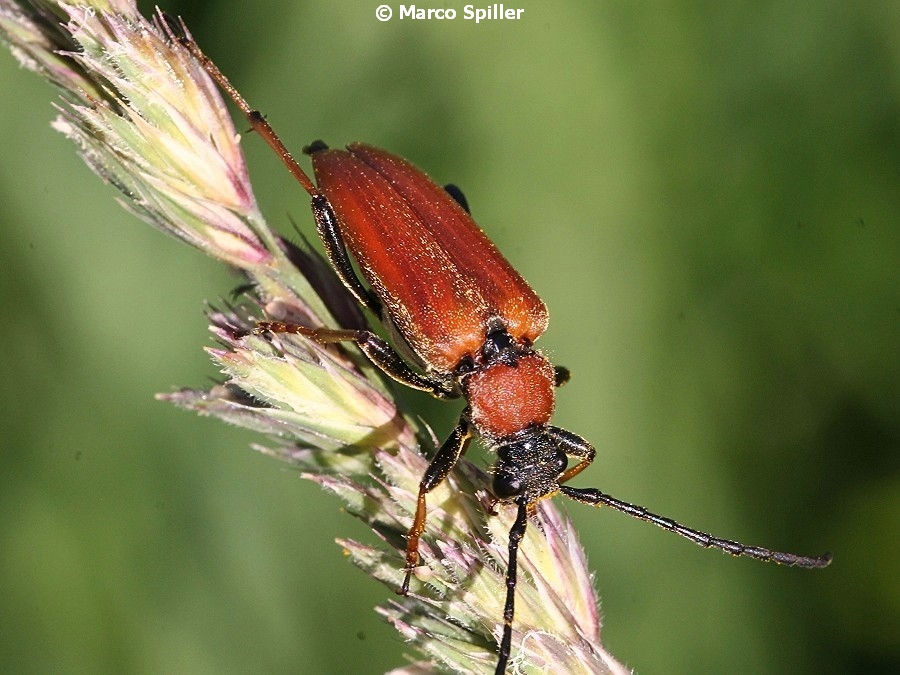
x=574, y=446
x=336, y=250
x=441, y=465
x=326, y=221
x=377, y=350
x=458, y=196
x=256, y=119
x=561, y=375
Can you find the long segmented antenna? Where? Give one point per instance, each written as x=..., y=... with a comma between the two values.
x=595, y=497
x=516, y=533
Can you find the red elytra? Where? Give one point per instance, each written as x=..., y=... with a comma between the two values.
x=470, y=320
x=437, y=274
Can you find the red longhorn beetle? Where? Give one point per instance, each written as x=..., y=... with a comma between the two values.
x=471, y=321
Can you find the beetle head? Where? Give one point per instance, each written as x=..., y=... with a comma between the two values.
x=529, y=464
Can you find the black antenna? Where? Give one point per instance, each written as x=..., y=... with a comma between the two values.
x=595, y=497
x=516, y=533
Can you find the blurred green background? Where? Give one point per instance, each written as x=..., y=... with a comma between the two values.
x=706, y=195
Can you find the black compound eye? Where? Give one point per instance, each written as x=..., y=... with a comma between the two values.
x=562, y=462
x=506, y=486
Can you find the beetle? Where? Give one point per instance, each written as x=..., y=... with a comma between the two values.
x=468, y=321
